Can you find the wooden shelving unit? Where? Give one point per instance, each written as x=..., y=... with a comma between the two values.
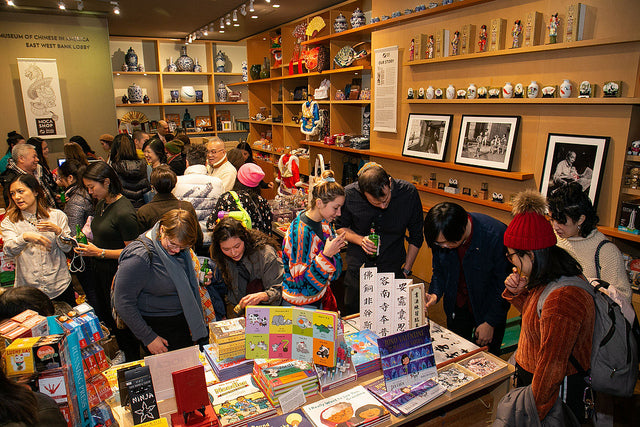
x=614, y=232
x=470, y=199
x=549, y=101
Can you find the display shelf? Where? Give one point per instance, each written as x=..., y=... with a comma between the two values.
x=489, y=203
x=566, y=101
x=292, y=125
x=614, y=232
x=366, y=30
x=227, y=74
x=305, y=75
x=290, y=102
x=262, y=122
x=211, y=132
x=145, y=105
x=630, y=158
x=232, y=103
x=237, y=84
x=135, y=73
x=516, y=176
x=184, y=73
x=233, y=131
x=523, y=50
x=352, y=101
x=631, y=191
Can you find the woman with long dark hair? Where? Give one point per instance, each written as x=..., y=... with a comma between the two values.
x=43, y=173
x=78, y=205
x=131, y=170
x=33, y=236
x=85, y=146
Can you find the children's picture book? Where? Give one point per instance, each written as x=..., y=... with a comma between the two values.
x=407, y=358
x=226, y=331
x=237, y=400
x=407, y=399
x=351, y=408
x=293, y=419
x=291, y=333
x=364, y=351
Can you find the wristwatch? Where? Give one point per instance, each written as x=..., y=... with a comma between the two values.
x=406, y=272
x=102, y=254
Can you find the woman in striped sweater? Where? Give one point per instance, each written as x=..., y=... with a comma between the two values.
x=311, y=254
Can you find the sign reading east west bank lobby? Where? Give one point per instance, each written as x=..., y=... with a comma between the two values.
x=48, y=41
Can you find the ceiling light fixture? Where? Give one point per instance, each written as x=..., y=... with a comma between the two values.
x=227, y=20
x=268, y=1
x=190, y=38
x=251, y=8
x=205, y=32
x=61, y=5
x=243, y=10
x=275, y=5
x=222, y=23
x=10, y=3
x=254, y=16
x=235, y=15
x=116, y=7
x=236, y=25
x=221, y=31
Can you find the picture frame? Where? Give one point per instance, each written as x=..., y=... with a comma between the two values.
x=574, y=158
x=173, y=118
x=487, y=141
x=427, y=136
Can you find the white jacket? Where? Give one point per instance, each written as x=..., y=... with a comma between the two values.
x=226, y=172
x=36, y=266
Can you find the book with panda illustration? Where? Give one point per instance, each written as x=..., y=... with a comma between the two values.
x=291, y=333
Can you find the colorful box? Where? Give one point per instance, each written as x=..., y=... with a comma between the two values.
x=46, y=352
x=467, y=39
x=532, y=29
x=497, y=33
x=19, y=356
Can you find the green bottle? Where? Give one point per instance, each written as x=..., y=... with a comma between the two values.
x=62, y=196
x=80, y=237
x=202, y=276
x=375, y=238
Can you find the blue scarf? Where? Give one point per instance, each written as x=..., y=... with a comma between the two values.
x=186, y=283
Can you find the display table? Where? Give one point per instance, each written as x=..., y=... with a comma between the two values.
x=465, y=403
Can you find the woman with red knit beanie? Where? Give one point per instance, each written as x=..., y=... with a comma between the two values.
x=550, y=344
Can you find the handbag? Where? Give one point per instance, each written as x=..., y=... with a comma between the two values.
x=348, y=55
x=316, y=175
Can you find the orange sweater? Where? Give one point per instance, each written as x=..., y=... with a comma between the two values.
x=564, y=327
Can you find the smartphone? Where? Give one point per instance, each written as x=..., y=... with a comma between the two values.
x=70, y=240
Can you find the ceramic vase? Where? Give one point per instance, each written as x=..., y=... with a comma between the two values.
x=245, y=71
x=533, y=89
x=135, y=93
x=175, y=95
x=187, y=94
x=357, y=18
x=451, y=92
x=171, y=67
x=340, y=24
x=264, y=72
x=565, y=89
x=255, y=71
x=131, y=60
x=430, y=92
x=507, y=91
x=472, y=91
x=220, y=62
x=199, y=96
x=197, y=68
x=184, y=62
x=221, y=92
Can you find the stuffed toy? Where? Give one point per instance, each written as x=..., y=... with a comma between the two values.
x=288, y=174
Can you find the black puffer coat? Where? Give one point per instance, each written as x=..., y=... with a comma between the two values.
x=133, y=175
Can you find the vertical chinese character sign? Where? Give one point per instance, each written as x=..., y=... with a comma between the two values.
x=41, y=97
x=367, y=298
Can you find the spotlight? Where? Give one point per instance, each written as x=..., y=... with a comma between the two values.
x=222, y=23
x=236, y=25
x=235, y=16
x=275, y=5
x=268, y=1
x=190, y=38
x=254, y=16
x=221, y=31
x=10, y=3
x=243, y=10
x=116, y=7
x=251, y=8
x=61, y=5
x=227, y=20
x=205, y=32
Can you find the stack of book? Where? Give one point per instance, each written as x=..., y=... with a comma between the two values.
x=354, y=407
x=238, y=401
x=228, y=368
x=227, y=338
x=278, y=376
x=407, y=399
x=364, y=351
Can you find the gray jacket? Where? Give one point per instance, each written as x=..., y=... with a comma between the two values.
x=518, y=408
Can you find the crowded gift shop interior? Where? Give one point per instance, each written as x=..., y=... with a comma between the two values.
x=381, y=213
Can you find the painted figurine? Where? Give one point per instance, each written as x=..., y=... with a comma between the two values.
x=516, y=31
x=412, y=49
x=454, y=43
x=554, y=22
x=430, y=47
x=482, y=39
x=310, y=123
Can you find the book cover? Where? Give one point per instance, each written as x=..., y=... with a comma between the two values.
x=238, y=400
x=407, y=358
x=143, y=400
x=287, y=373
x=407, y=399
x=292, y=419
x=351, y=408
x=190, y=389
x=227, y=330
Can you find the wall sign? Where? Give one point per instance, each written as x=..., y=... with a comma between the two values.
x=41, y=97
x=386, y=89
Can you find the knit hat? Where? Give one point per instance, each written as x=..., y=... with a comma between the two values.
x=250, y=174
x=174, y=146
x=529, y=229
x=106, y=137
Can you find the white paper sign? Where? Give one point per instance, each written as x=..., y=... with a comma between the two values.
x=367, y=297
x=292, y=400
x=401, y=305
x=162, y=365
x=386, y=89
x=384, y=304
x=41, y=97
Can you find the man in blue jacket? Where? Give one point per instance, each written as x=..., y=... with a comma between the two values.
x=469, y=269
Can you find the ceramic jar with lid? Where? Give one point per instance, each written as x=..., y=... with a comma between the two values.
x=340, y=24
x=135, y=93
x=220, y=62
x=221, y=92
x=451, y=92
x=357, y=18
x=131, y=60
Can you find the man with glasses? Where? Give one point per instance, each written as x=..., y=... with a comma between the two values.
x=392, y=208
x=218, y=165
x=469, y=269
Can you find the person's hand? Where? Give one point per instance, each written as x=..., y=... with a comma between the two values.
x=37, y=239
x=484, y=334
x=48, y=226
x=253, y=299
x=207, y=278
x=431, y=299
x=515, y=283
x=333, y=246
x=88, y=250
x=159, y=345
x=270, y=185
x=368, y=246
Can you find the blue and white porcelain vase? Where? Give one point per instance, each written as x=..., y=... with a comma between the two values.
x=221, y=92
x=135, y=93
x=220, y=62
x=184, y=63
x=245, y=71
x=357, y=18
x=131, y=59
x=172, y=66
x=197, y=68
x=340, y=24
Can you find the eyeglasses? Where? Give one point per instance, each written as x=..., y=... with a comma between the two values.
x=215, y=151
x=510, y=255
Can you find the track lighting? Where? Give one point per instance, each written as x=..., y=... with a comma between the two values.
x=254, y=16
x=227, y=20
x=61, y=5
x=222, y=23
x=275, y=5
x=251, y=8
x=116, y=7
x=243, y=10
x=10, y=3
x=235, y=15
x=205, y=32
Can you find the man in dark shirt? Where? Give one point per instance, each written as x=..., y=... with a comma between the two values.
x=390, y=206
x=469, y=269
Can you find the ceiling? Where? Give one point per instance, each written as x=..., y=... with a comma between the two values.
x=174, y=19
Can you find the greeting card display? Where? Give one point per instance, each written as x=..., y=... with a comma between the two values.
x=143, y=400
x=291, y=333
x=407, y=358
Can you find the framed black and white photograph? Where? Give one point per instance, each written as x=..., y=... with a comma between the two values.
x=487, y=141
x=574, y=158
x=427, y=136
